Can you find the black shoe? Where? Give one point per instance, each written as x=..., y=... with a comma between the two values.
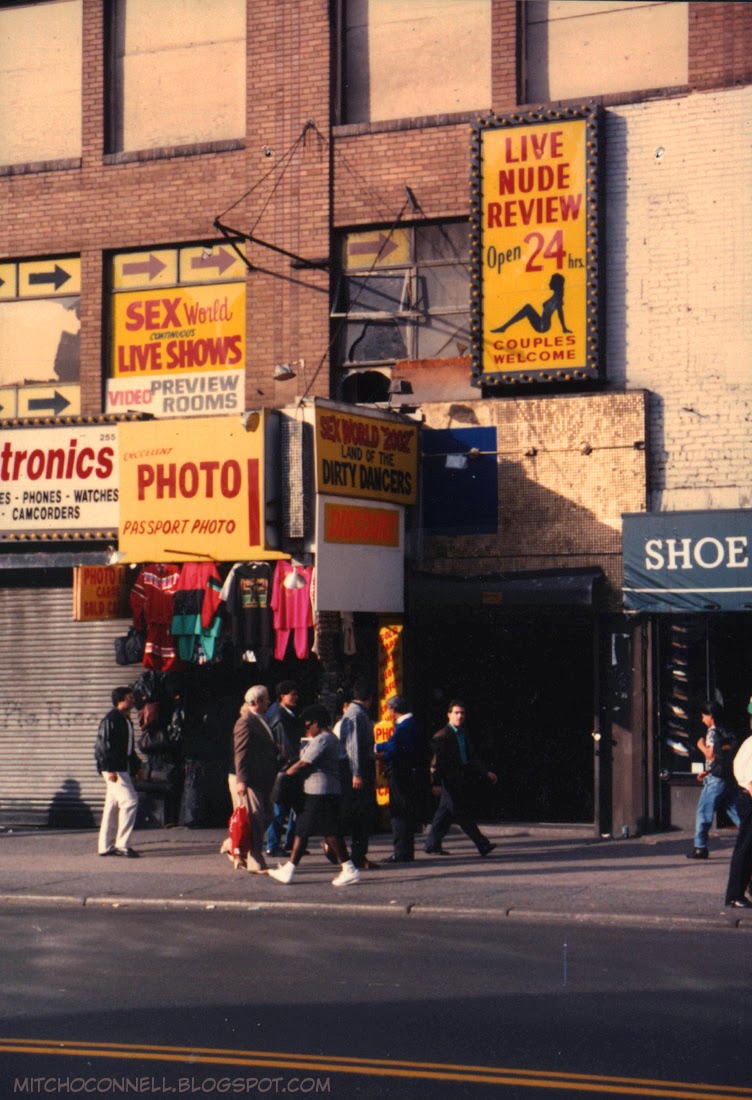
x=698, y=853
x=436, y=851
x=483, y=852
x=275, y=851
x=739, y=903
x=109, y=852
x=396, y=859
x=126, y=853
x=367, y=865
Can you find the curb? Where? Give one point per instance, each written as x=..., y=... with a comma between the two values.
x=411, y=909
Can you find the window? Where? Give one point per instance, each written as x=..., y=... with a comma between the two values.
x=40, y=337
x=162, y=54
x=593, y=47
x=40, y=82
x=403, y=60
x=401, y=295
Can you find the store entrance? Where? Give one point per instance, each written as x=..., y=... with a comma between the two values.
x=527, y=682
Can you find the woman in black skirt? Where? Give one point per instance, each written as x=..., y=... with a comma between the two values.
x=320, y=816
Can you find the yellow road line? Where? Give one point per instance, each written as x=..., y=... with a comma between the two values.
x=379, y=1067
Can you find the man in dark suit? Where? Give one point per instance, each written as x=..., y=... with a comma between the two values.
x=406, y=767
x=456, y=769
x=256, y=764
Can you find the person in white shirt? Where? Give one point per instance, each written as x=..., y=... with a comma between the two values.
x=740, y=869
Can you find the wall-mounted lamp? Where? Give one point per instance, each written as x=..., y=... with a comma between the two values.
x=283, y=372
x=400, y=386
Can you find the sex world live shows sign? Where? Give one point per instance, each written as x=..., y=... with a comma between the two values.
x=688, y=561
x=192, y=490
x=534, y=238
x=179, y=352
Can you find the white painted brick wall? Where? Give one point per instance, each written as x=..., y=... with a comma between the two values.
x=678, y=177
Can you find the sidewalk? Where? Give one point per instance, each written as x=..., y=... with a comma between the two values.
x=536, y=872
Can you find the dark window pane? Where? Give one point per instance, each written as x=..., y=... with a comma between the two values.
x=442, y=242
x=443, y=288
x=370, y=293
x=374, y=342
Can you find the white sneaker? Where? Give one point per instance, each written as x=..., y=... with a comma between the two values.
x=348, y=876
x=283, y=873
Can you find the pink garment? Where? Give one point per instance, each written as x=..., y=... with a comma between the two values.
x=292, y=609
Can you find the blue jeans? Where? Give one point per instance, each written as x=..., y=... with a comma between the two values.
x=716, y=794
x=277, y=827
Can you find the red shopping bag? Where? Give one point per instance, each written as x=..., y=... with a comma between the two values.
x=240, y=832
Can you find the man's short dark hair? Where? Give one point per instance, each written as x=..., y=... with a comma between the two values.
x=118, y=694
x=455, y=703
x=715, y=710
x=362, y=689
x=284, y=687
x=318, y=714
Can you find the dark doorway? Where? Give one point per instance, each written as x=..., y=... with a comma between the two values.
x=527, y=682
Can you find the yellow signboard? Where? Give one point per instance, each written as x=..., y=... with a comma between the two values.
x=536, y=261
x=99, y=592
x=52, y=400
x=390, y=683
x=202, y=264
x=178, y=330
x=158, y=267
x=50, y=278
x=376, y=248
x=7, y=281
x=192, y=490
x=365, y=457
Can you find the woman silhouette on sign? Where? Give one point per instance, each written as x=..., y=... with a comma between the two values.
x=541, y=322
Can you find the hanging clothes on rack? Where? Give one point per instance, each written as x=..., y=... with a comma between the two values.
x=293, y=610
x=246, y=595
x=152, y=602
x=195, y=623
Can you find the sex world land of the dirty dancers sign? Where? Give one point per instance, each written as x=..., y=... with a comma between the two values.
x=365, y=457
x=535, y=247
x=192, y=490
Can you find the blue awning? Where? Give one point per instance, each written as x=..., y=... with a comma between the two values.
x=688, y=561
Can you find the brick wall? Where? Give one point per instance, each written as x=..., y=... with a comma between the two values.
x=678, y=275
x=568, y=468
x=117, y=202
x=720, y=44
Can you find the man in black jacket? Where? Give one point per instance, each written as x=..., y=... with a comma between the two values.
x=455, y=770
x=116, y=758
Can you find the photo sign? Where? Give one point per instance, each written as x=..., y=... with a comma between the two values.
x=534, y=203
x=192, y=490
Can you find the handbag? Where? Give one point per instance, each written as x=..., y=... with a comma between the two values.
x=129, y=649
x=240, y=832
x=288, y=790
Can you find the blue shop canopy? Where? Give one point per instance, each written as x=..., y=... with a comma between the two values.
x=688, y=561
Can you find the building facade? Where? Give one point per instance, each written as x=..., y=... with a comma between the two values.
x=198, y=195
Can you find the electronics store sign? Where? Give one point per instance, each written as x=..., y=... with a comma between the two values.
x=688, y=561
x=61, y=481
